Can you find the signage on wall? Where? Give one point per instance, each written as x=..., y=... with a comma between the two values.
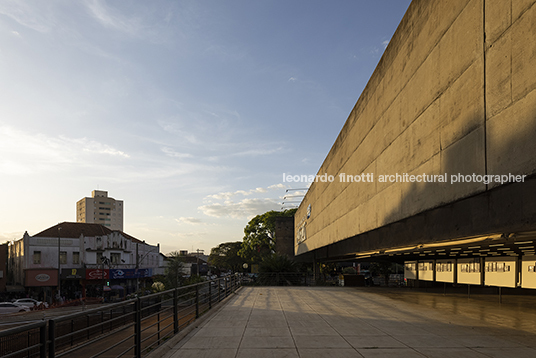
x=42, y=277
x=73, y=273
x=301, y=235
x=97, y=274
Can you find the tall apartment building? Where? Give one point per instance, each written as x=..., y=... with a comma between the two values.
x=100, y=209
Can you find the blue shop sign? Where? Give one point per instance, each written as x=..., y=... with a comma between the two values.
x=130, y=273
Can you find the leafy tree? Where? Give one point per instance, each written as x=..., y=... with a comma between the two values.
x=259, y=239
x=174, y=270
x=225, y=256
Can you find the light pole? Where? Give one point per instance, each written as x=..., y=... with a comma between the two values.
x=198, y=251
x=59, y=263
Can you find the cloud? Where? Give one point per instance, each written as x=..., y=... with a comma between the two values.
x=245, y=208
x=189, y=220
x=25, y=153
x=292, y=79
x=15, y=33
x=108, y=19
x=92, y=146
x=228, y=195
x=385, y=43
x=34, y=16
x=257, y=152
x=172, y=153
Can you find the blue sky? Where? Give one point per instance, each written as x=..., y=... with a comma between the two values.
x=188, y=111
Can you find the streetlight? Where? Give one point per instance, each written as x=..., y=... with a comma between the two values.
x=59, y=263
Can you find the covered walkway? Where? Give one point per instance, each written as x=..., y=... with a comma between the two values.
x=362, y=322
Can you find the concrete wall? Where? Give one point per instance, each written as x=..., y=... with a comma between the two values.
x=454, y=93
x=284, y=236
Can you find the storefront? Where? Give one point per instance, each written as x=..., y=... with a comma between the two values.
x=72, y=283
x=41, y=283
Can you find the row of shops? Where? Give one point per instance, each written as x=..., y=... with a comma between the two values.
x=76, y=283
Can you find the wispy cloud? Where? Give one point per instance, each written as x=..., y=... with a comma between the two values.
x=189, y=220
x=245, y=208
x=106, y=17
x=229, y=195
x=34, y=16
x=25, y=153
x=172, y=153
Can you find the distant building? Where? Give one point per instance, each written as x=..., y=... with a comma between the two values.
x=87, y=259
x=100, y=209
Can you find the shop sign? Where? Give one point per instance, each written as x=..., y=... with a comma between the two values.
x=40, y=277
x=97, y=274
x=130, y=273
x=73, y=274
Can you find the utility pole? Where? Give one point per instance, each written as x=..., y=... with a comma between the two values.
x=198, y=250
x=59, y=263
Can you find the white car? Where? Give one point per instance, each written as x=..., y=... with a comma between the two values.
x=10, y=307
x=30, y=302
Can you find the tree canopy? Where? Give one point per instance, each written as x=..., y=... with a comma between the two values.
x=225, y=256
x=174, y=270
x=259, y=239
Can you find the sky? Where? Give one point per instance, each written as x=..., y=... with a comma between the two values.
x=188, y=111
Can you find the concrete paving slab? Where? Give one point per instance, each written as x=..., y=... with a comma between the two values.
x=268, y=342
x=199, y=341
x=268, y=353
x=331, y=353
x=428, y=341
x=267, y=332
x=321, y=342
x=360, y=322
x=390, y=353
x=450, y=353
x=374, y=342
x=205, y=353
x=507, y=352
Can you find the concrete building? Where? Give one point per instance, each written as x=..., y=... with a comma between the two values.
x=84, y=258
x=436, y=159
x=100, y=209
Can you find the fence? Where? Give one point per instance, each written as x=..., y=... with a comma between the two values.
x=128, y=329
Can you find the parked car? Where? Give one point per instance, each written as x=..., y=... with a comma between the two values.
x=30, y=302
x=11, y=307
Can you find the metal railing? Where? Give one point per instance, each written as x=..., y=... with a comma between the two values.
x=128, y=329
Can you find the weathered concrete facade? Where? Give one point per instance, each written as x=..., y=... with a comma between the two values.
x=454, y=93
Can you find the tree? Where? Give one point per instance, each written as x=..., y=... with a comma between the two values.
x=174, y=270
x=259, y=239
x=225, y=256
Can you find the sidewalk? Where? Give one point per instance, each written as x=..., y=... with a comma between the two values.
x=351, y=322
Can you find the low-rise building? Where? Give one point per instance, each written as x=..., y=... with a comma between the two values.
x=82, y=259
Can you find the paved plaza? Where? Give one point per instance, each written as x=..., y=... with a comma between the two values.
x=362, y=322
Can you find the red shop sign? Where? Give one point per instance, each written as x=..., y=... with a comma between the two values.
x=97, y=274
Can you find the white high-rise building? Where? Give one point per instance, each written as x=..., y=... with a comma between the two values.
x=100, y=209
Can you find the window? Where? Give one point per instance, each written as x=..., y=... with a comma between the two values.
x=76, y=258
x=63, y=257
x=37, y=257
x=115, y=258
